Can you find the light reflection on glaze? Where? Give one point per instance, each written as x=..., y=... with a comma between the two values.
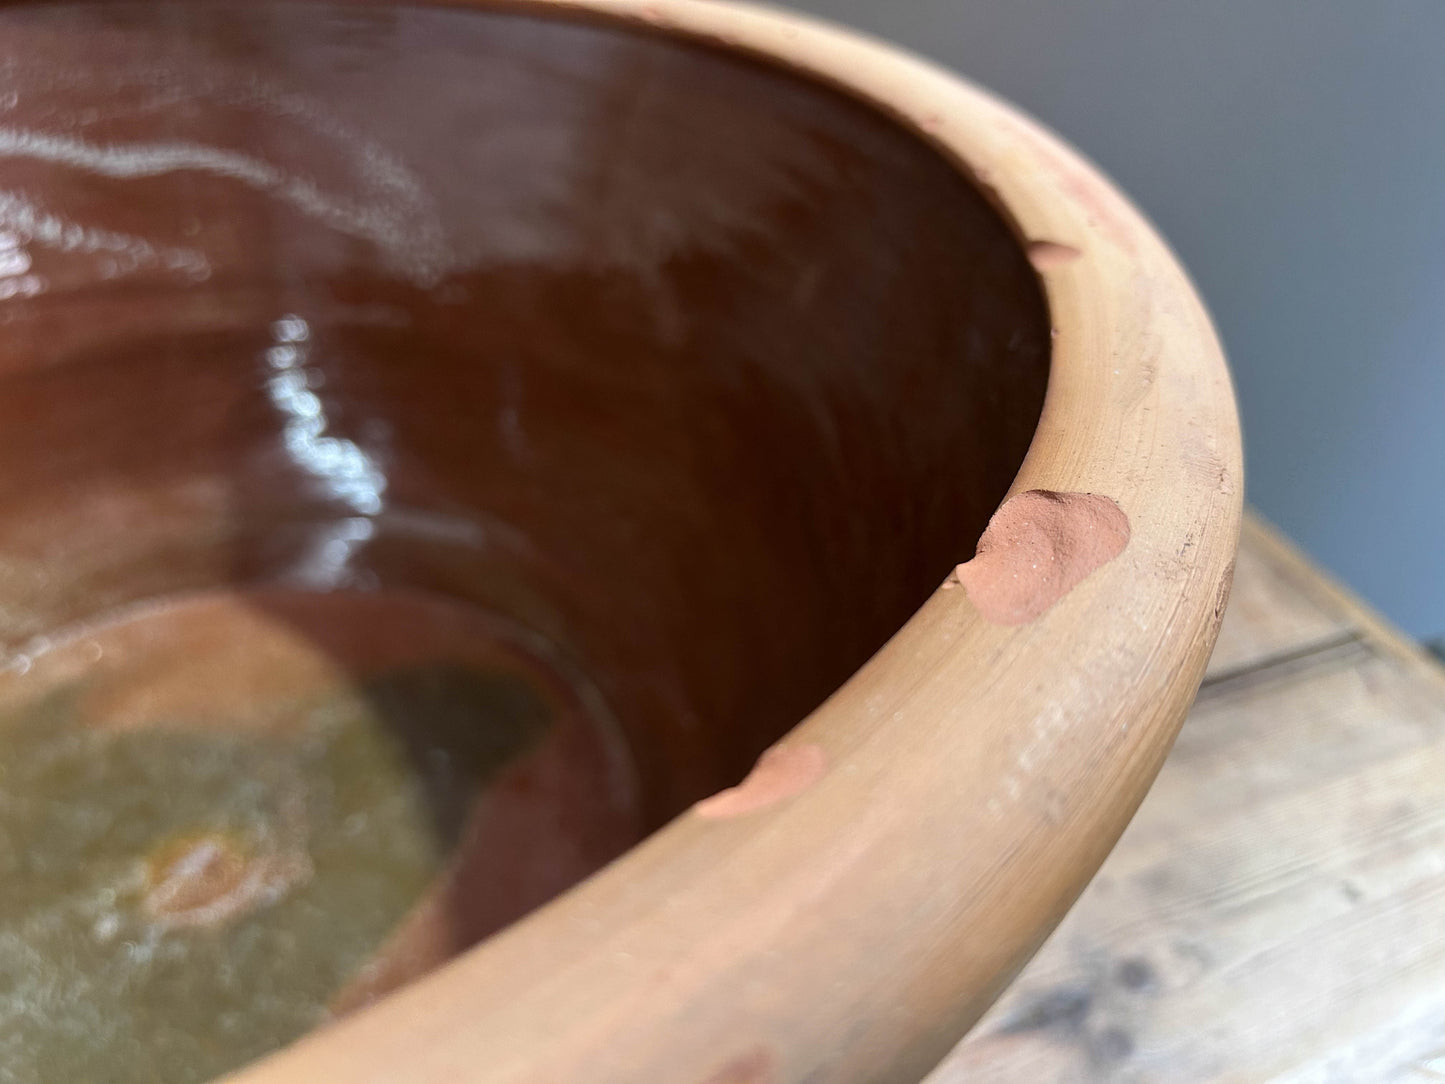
x=376, y=221
x=25, y=221
x=14, y=263
x=343, y=468
x=14, y=260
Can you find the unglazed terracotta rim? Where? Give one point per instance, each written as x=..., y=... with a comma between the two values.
x=932, y=821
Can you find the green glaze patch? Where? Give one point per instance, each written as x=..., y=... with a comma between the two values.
x=180, y=899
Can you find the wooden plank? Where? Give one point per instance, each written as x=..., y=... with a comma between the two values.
x=1327, y=593
x=1277, y=909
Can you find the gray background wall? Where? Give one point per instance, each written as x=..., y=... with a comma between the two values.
x=1293, y=151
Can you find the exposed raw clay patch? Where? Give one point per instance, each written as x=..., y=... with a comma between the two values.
x=757, y=1066
x=781, y=772
x=1048, y=254
x=1037, y=548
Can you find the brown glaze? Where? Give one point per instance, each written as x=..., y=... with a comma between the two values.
x=702, y=372
x=535, y=829
x=693, y=373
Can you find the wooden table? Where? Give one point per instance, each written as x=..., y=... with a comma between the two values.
x=1276, y=911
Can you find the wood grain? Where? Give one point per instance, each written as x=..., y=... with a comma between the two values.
x=1276, y=911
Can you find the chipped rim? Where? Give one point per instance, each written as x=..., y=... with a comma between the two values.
x=920, y=833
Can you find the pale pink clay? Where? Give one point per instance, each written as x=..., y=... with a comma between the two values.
x=1037, y=548
x=782, y=772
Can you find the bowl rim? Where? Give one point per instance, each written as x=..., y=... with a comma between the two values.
x=966, y=783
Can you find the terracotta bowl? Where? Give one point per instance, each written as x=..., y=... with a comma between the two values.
x=593, y=398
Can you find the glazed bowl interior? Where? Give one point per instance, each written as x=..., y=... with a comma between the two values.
x=581, y=403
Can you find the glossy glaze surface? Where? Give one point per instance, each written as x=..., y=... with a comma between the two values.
x=695, y=376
